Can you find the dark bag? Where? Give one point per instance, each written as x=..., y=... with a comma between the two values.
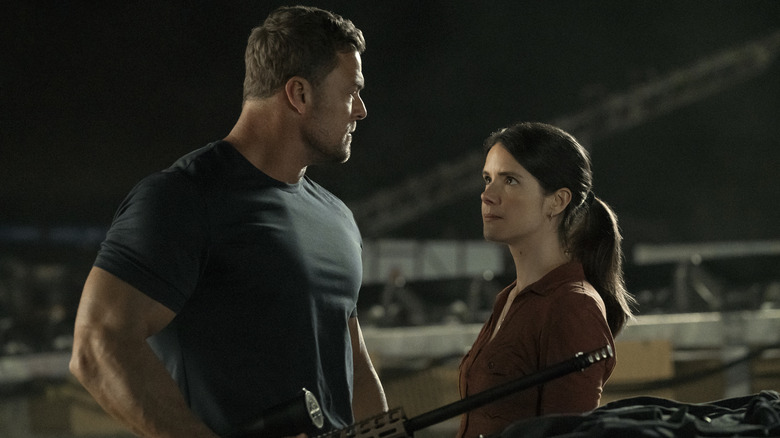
x=756, y=415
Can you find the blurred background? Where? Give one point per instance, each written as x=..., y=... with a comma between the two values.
x=678, y=103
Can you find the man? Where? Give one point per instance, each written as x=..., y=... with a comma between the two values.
x=229, y=281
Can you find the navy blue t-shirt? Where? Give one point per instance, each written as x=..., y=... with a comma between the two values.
x=262, y=275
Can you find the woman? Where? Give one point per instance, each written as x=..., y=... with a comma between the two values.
x=569, y=295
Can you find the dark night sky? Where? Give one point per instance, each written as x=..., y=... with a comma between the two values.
x=96, y=97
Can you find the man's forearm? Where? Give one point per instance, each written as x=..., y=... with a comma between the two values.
x=369, y=398
x=368, y=394
x=132, y=385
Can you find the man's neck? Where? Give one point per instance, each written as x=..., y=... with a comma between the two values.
x=268, y=141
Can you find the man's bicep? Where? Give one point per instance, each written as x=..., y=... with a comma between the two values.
x=110, y=303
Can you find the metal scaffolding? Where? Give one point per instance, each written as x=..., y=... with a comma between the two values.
x=418, y=195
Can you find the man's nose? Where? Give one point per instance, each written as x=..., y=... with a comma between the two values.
x=360, y=108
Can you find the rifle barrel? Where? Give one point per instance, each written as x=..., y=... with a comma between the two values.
x=578, y=362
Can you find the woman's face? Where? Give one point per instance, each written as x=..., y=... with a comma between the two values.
x=513, y=202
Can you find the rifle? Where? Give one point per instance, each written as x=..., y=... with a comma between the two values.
x=302, y=414
x=394, y=424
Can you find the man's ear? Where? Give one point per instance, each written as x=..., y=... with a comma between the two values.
x=299, y=92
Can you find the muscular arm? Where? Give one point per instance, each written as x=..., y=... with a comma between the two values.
x=115, y=364
x=368, y=396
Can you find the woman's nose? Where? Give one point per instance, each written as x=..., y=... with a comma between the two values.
x=487, y=196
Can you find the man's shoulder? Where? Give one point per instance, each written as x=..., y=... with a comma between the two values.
x=201, y=168
x=204, y=159
x=183, y=179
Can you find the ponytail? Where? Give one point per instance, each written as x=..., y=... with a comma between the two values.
x=589, y=229
x=595, y=241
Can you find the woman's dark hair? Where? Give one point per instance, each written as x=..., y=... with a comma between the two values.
x=589, y=229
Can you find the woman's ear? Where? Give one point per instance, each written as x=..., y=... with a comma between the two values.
x=560, y=199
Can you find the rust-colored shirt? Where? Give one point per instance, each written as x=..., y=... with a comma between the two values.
x=550, y=321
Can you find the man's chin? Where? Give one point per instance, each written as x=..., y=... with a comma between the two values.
x=342, y=154
x=346, y=150
x=332, y=155
x=345, y=157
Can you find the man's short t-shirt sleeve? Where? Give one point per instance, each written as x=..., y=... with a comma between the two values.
x=156, y=241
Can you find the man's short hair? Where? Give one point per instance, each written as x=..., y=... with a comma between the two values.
x=296, y=41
